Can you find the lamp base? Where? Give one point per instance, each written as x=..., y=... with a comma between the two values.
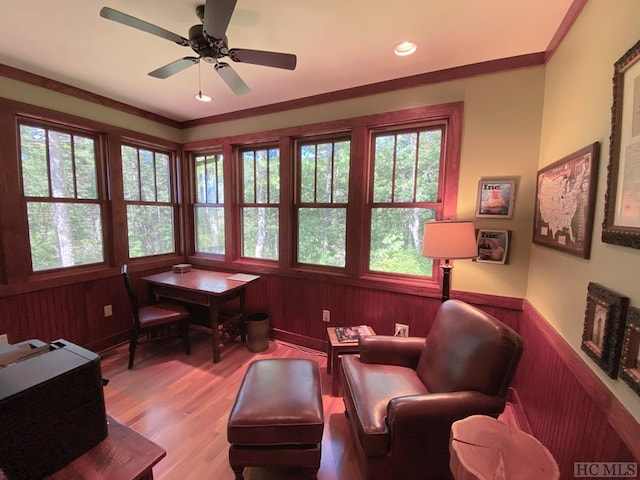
x=446, y=279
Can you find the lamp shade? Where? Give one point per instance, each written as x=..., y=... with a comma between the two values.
x=449, y=239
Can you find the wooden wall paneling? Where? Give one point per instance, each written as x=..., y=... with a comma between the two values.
x=569, y=409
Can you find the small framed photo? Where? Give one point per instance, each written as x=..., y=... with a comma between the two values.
x=493, y=246
x=630, y=365
x=495, y=198
x=604, y=323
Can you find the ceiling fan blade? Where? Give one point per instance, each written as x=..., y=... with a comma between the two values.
x=128, y=20
x=217, y=15
x=174, y=67
x=231, y=78
x=260, y=57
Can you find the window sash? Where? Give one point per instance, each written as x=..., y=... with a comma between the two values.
x=62, y=195
x=147, y=175
x=406, y=183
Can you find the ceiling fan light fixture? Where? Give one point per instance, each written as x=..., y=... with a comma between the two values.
x=202, y=97
x=405, y=48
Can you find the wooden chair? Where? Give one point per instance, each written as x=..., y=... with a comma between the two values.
x=155, y=321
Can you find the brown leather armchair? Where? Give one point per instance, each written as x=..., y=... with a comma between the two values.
x=402, y=394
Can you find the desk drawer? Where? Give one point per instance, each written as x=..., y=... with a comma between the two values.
x=182, y=295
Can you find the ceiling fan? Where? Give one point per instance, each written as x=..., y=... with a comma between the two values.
x=208, y=39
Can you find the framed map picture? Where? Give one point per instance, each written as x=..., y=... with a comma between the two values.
x=565, y=199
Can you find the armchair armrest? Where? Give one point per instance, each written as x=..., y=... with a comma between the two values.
x=388, y=350
x=429, y=418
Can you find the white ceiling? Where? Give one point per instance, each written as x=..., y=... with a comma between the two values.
x=339, y=44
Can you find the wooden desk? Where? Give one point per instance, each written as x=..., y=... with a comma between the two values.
x=123, y=455
x=483, y=447
x=208, y=289
x=336, y=348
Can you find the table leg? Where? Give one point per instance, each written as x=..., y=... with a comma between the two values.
x=243, y=318
x=215, y=333
x=335, y=378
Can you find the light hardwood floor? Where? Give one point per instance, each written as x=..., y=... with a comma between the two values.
x=182, y=402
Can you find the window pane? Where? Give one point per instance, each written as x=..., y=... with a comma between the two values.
x=260, y=232
x=61, y=165
x=308, y=173
x=33, y=148
x=64, y=234
x=86, y=178
x=163, y=181
x=274, y=175
x=324, y=173
x=147, y=175
x=209, y=178
x=150, y=230
x=406, y=164
x=321, y=236
x=209, y=229
x=429, y=149
x=248, y=177
x=341, y=163
x=396, y=240
x=130, y=174
x=383, y=169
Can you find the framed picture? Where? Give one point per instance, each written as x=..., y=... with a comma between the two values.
x=630, y=365
x=495, y=198
x=565, y=202
x=621, y=224
x=493, y=246
x=604, y=324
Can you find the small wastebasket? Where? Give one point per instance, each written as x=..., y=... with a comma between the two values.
x=257, y=332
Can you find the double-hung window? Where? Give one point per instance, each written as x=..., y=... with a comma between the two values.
x=209, y=203
x=148, y=194
x=406, y=188
x=61, y=187
x=259, y=206
x=321, y=201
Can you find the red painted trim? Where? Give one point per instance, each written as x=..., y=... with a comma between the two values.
x=66, y=89
x=618, y=416
x=464, y=71
x=439, y=76
x=566, y=24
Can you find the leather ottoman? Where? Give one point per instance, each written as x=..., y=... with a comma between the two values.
x=277, y=419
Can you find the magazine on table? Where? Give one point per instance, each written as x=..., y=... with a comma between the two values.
x=352, y=334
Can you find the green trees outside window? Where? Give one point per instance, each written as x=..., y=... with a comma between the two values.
x=209, y=206
x=146, y=176
x=60, y=186
x=260, y=202
x=323, y=194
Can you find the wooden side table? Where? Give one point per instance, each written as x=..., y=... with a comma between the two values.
x=482, y=447
x=123, y=455
x=336, y=348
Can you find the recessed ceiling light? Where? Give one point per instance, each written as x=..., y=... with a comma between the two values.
x=405, y=48
x=202, y=97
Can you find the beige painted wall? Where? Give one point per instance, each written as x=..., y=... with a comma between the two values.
x=577, y=112
x=501, y=135
x=42, y=97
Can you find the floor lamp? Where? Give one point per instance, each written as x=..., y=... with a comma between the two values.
x=448, y=240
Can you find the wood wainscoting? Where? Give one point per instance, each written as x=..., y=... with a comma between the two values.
x=568, y=407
